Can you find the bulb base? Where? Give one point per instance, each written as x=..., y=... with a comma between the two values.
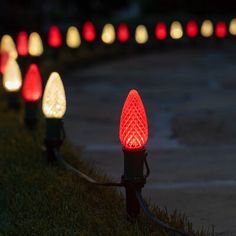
x=54, y=137
x=23, y=62
x=134, y=180
x=13, y=100
x=31, y=114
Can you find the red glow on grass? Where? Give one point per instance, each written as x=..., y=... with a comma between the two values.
x=32, y=87
x=22, y=43
x=192, y=29
x=220, y=29
x=4, y=56
x=133, y=131
x=54, y=37
x=89, y=32
x=161, y=31
x=123, y=34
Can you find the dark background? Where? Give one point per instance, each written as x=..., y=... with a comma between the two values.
x=36, y=14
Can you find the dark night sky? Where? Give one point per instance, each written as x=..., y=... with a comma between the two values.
x=31, y=14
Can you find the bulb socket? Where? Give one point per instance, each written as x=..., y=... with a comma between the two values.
x=54, y=137
x=134, y=165
x=13, y=100
x=133, y=179
x=31, y=114
x=23, y=62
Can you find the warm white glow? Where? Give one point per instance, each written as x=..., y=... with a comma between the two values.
x=176, y=30
x=35, y=45
x=207, y=28
x=232, y=27
x=141, y=34
x=73, y=39
x=108, y=34
x=8, y=45
x=54, y=98
x=12, y=79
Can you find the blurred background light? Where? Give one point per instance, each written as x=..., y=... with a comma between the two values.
x=89, y=32
x=176, y=30
x=108, y=34
x=4, y=56
x=12, y=79
x=207, y=28
x=8, y=45
x=220, y=29
x=54, y=37
x=22, y=43
x=123, y=34
x=141, y=34
x=232, y=27
x=32, y=86
x=161, y=31
x=73, y=39
x=192, y=29
x=35, y=45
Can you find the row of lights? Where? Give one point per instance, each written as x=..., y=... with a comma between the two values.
x=34, y=45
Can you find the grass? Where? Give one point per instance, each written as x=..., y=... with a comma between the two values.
x=37, y=198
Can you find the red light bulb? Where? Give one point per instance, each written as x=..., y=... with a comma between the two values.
x=192, y=29
x=89, y=33
x=133, y=131
x=54, y=37
x=161, y=31
x=4, y=56
x=123, y=34
x=220, y=29
x=32, y=87
x=22, y=43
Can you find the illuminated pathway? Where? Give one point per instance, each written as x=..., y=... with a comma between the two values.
x=198, y=180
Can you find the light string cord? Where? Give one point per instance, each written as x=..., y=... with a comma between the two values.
x=153, y=217
x=80, y=174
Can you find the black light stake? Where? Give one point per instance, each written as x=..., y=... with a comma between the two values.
x=133, y=136
x=32, y=93
x=54, y=108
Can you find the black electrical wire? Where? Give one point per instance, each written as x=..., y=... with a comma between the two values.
x=67, y=166
x=150, y=215
x=147, y=167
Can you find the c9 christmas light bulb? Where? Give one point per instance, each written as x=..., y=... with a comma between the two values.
x=73, y=39
x=35, y=45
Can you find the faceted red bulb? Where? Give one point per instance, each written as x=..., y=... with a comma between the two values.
x=123, y=34
x=161, y=31
x=220, y=29
x=22, y=43
x=32, y=87
x=54, y=37
x=4, y=56
x=133, y=131
x=89, y=32
x=192, y=29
